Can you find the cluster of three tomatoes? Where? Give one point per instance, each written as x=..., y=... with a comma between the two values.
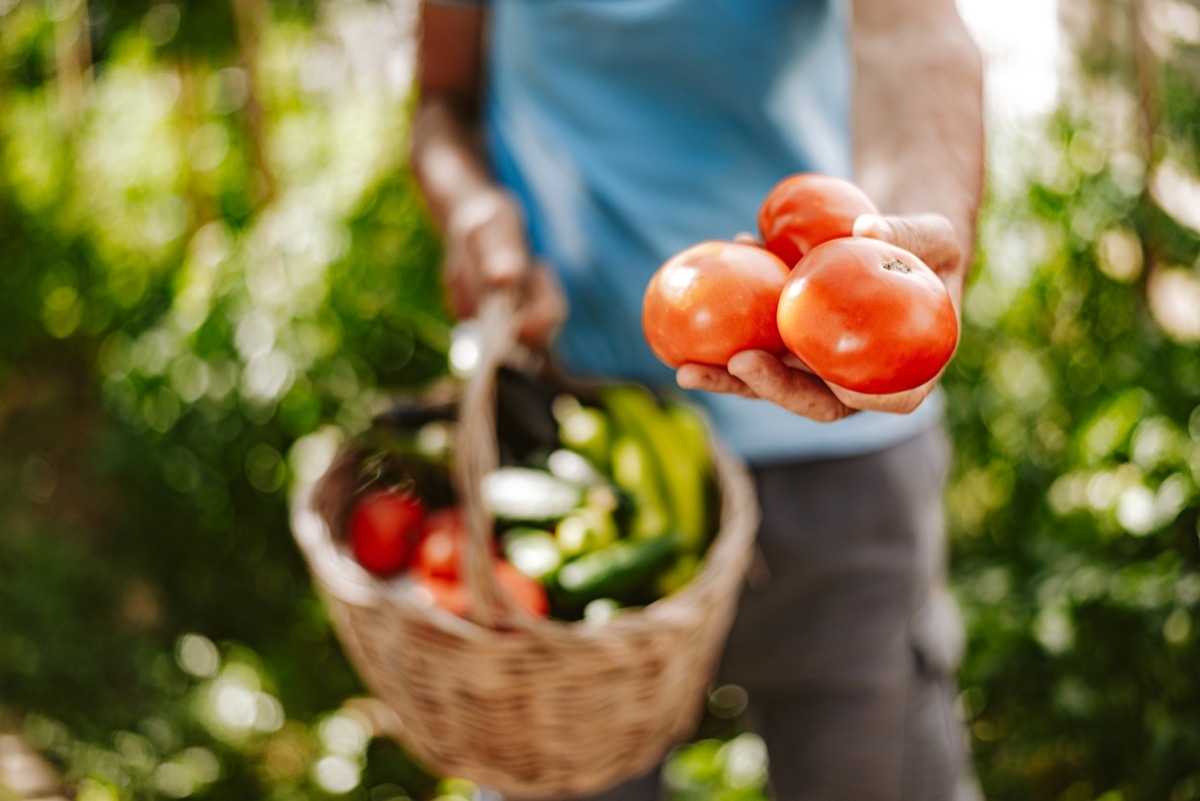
x=860, y=313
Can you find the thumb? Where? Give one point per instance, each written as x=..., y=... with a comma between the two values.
x=929, y=236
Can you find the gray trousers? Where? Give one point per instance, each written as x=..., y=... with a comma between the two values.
x=846, y=640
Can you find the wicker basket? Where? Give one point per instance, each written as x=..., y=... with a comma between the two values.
x=532, y=708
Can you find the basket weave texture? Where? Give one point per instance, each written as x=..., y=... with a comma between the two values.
x=529, y=707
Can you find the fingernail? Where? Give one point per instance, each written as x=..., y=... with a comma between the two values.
x=743, y=364
x=871, y=225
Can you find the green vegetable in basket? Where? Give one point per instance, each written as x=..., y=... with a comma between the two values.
x=678, y=575
x=623, y=570
x=533, y=551
x=673, y=453
x=583, y=429
x=601, y=610
x=571, y=466
x=692, y=433
x=585, y=529
x=529, y=495
x=634, y=471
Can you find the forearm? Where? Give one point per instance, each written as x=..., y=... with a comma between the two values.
x=918, y=122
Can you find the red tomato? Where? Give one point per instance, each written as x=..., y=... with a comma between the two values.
x=712, y=300
x=450, y=594
x=442, y=539
x=806, y=209
x=868, y=316
x=383, y=530
x=446, y=593
x=527, y=592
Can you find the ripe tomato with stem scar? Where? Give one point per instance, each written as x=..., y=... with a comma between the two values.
x=868, y=316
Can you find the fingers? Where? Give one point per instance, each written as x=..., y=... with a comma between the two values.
x=797, y=391
x=897, y=403
x=929, y=236
x=543, y=308
x=711, y=379
x=485, y=248
x=462, y=286
x=758, y=374
x=489, y=229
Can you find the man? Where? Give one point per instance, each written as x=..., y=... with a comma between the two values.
x=570, y=146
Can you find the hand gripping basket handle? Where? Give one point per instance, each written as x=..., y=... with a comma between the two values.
x=477, y=454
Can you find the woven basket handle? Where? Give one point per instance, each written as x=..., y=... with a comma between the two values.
x=477, y=454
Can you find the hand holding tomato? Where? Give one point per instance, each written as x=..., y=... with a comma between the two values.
x=785, y=382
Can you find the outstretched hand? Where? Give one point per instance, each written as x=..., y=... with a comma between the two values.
x=786, y=382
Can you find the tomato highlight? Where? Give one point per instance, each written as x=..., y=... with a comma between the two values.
x=713, y=300
x=383, y=530
x=442, y=541
x=807, y=209
x=868, y=316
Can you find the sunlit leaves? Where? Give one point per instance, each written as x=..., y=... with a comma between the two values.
x=1075, y=500
x=204, y=326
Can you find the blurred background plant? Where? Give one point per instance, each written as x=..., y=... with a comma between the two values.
x=213, y=264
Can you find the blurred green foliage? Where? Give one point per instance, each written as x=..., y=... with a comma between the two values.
x=211, y=249
x=1075, y=403
x=211, y=257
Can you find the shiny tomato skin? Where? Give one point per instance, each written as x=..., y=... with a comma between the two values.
x=524, y=591
x=868, y=316
x=806, y=209
x=451, y=594
x=443, y=536
x=712, y=300
x=383, y=530
x=447, y=593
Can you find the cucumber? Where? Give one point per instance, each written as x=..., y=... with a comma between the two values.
x=623, y=571
x=601, y=610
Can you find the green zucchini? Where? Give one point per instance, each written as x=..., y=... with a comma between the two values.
x=624, y=570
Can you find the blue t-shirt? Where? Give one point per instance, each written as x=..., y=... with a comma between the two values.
x=631, y=129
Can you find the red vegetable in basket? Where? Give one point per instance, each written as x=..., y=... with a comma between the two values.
x=442, y=539
x=527, y=592
x=384, y=529
x=445, y=592
x=451, y=594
